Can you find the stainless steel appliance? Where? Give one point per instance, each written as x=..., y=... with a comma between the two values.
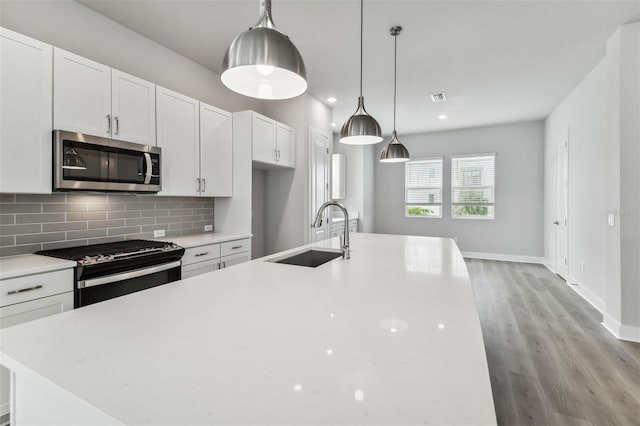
x=105, y=271
x=91, y=163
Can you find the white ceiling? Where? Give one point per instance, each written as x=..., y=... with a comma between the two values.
x=497, y=61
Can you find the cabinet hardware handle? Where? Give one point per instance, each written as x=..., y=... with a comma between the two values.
x=22, y=290
x=556, y=223
x=236, y=247
x=224, y=264
x=202, y=254
x=117, y=124
x=204, y=185
x=199, y=185
x=108, y=123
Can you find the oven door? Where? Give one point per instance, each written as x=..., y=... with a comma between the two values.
x=107, y=287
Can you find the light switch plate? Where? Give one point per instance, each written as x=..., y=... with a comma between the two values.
x=158, y=233
x=611, y=219
x=208, y=228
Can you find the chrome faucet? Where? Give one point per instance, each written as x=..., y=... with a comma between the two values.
x=344, y=243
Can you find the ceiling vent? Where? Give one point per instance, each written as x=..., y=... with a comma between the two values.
x=438, y=97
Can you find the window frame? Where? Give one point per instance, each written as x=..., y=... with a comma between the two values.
x=441, y=188
x=492, y=205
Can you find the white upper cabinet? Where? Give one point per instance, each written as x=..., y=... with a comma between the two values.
x=216, y=152
x=178, y=135
x=285, y=146
x=133, y=107
x=25, y=114
x=81, y=95
x=273, y=143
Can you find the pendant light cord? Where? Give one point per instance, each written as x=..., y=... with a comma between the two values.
x=361, y=44
x=395, y=78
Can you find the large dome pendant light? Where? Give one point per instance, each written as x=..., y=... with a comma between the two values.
x=360, y=128
x=395, y=152
x=263, y=63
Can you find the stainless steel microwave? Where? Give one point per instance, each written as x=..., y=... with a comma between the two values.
x=91, y=163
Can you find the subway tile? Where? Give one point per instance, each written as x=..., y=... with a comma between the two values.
x=150, y=228
x=192, y=218
x=7, y=219
x=169, y=205
x=86, y=216
x=123, y=215
x=90, y=233
x=40, y=238
x=7, y=198
x=40, y=217
x=180, y=212
x=171, y=234
x=104, y=240
x=140, y=206
x=20, y=208
x=114, y=223
x=202, y=211
x=154, y=213
x=7, y=241
x=64, y=226
x=64, y=244
x=191, y=231
x=140, y=221
x=169, y=219
x=16, y=250
x=20, y=229
x=121, y=198
x=86, y=198
x=201, y=225
x=140, y=236
x=105, y=207
x=189, y=205
x=40, y=198
x=64, y=208
x=124, y=230
x=175, y=226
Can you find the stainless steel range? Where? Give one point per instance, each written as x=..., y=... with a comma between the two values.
x=105, y=271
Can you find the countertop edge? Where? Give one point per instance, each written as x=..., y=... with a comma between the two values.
x=31, y=264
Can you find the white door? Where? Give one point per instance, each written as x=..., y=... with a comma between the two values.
x=285, y=145
x=81, y=95
x=178, y=136
x=263, y=139
x=319, y=180
x=216, y=152
x=133, y=108
x=26, y=77
x=562, y=250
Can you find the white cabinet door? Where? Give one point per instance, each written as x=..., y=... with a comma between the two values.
x=264, y=139
x=25, y=114
x=133, y=109
x=178, y=136
x=189, y=271
x=235, y=259
x=216, y=152
x=81, y=94
x=286, y=146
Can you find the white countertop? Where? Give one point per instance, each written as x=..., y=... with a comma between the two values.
x=197, y=240
x=391, y=336
x=30, y=264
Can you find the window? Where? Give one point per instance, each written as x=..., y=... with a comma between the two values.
x=423, y=188
x=473, y=186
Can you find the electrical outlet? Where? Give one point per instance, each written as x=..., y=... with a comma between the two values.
x=611, y=219
x=158, y=233
x=208, y=228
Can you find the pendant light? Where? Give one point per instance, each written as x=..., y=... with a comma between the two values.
x=395, y=152
x=263, y=63
x=72, y=160
x=360, y=128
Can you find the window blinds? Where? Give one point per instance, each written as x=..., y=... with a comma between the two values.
x=423, y=182
x=473, y=180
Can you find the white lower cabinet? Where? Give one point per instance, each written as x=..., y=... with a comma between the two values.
x=211, y=257
x=29, y=298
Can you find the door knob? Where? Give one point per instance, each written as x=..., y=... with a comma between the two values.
x=556, y=223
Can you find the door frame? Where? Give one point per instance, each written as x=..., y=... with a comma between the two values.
x=310, y=207
x=562, y=188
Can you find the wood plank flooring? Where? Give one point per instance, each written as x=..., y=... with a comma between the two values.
x=551, y=362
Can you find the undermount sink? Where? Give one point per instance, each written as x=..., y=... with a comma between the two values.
x=310, y=258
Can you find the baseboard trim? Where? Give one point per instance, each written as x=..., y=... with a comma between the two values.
x=547, y=263
x=503, y=257
x=4, y=411
x=592, y=298
x=621, y=331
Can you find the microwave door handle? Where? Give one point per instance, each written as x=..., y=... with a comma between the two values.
x=148, y=174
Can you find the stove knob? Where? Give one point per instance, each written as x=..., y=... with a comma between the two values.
x=86, y=259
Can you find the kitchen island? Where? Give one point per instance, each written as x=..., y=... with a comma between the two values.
x=391, y=336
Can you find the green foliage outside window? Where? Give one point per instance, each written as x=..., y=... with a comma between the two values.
x=419, y=211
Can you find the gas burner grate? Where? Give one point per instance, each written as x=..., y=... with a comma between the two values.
x=79, y=252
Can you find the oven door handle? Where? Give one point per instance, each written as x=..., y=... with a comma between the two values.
x=149, y=173
x=126, y=275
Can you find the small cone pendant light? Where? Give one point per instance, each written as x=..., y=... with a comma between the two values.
x=360, y=128
x=395, y=152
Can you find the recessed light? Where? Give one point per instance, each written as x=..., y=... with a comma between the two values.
x=333, y=124
x=439, y=97
x=331, y=100
x=442, y=117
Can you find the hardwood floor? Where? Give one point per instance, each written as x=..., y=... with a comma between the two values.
x=551, y=362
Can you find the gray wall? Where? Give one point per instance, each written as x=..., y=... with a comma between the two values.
x=34, y=222
x=517, y=227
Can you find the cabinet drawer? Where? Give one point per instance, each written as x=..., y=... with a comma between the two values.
x=234, y=259
x=200, y=268
x=200, y=254
x=353, y=222
x=35, y=309
x=22, y=289
x=238, y=246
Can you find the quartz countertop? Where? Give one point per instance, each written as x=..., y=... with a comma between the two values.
x=30, y=264
x=391, y=336
x=198, y=240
